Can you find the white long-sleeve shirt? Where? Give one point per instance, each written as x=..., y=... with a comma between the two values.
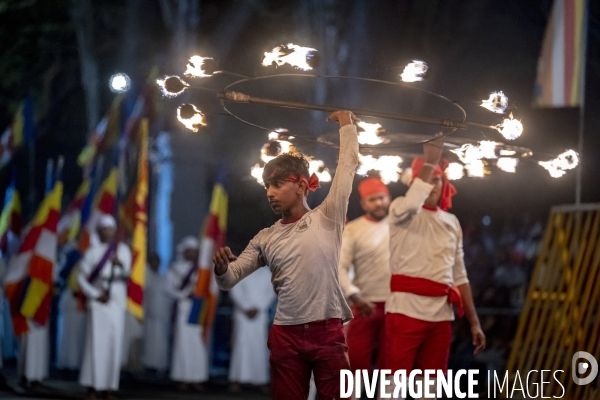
x=304, y=255
x=366, y=247
x=424, y=244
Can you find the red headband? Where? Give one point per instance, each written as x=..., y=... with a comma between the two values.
x=313, y=184
x=448, y=189
x=370, y=186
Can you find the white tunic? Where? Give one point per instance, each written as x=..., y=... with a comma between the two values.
x=250, y=355
x=424, y=244
x=157, y=314
x=366, y=247
x=34, y=352
x=190, y=358
x=304, y=255
x=71, y=332
x=105, y=322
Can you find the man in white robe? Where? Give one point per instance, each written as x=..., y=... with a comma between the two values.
x=157, y=312
x=72, y=320
x=189, y=367
x=252, y=298
x=103, y=275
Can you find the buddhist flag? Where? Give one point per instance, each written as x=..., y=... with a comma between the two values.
x=28, y=282
x=104, y=203
x=70, y=223
x=20, y=130
x=10, y=219
x=204, y=300
x=135, y=289
x=561, y=66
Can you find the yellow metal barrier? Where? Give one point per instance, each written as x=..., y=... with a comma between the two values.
x=562, y=312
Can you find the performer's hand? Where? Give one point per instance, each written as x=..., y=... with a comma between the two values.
x=222, y=258
x=364, y=308
x=105, y=297
x=478, y=338
x=251, y=313
x=433, y=151
x=343, y=117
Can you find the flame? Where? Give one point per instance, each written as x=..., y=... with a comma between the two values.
x=172, y=86
x=317, y=167
x=257, y=172
x=497, y=102
x=561, y=164
x=507, y=152
x=388, y=167
x=192, y=117
x=475, y=169
x=369, y=135
x=194, y=67
x=284, y=147
x=469, y=153
x=297, y=57
x=414, y=71
x=510, y=128
x=455, y=171
x=273, y=136
x=508, y=164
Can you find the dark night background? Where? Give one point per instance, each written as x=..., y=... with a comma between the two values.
x=472, y=47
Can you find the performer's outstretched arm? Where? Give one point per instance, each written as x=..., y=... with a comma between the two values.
x=335, y=204
x=230, y=269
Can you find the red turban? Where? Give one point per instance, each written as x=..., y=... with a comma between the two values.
x=370, y=186
x=448, y=189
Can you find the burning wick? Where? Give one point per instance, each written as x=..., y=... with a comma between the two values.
x=370, y=132
x=508, y=164
x=191, y=117
x=455, y=171
x=475, y=169
x=561, y=164
x=172, y=86
x=200, y=67
x=497, y=103
x=303, y=58
x=510, y=128
x=387, y=166
x=414, y=71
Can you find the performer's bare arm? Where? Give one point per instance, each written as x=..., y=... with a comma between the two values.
x=471, y=314
x=335, y=204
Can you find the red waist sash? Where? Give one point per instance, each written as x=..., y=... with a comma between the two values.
x=429, y=288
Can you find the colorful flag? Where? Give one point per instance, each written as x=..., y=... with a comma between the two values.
x=104, y=203
x=70, y=223
x=10, y=219
x=105, y=135
x=135, y=289
x=28, y=282
x=204, y=300
x=561, y=66
x=20, y=130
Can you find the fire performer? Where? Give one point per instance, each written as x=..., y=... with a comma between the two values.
x=365, y=247
x=302, y=250
x=428, y=271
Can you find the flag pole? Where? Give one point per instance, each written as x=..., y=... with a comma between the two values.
x=579, y=176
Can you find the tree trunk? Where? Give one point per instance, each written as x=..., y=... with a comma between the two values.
x=81, y=12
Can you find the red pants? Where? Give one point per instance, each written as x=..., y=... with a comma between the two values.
x=296, y=350
x=363, y=336
x=413, y=343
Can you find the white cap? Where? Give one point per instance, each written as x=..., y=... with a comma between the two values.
x=107, y=221
x=188, y=242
